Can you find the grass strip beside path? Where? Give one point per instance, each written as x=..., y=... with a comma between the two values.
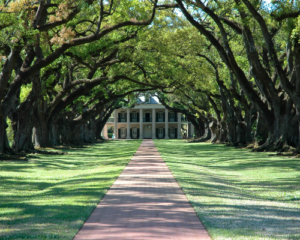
x=51, y=196
x=236, y=193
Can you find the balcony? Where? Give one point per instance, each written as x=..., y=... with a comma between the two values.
x=122, y=120
x=134, y=120
x=160, y=120
x=173, y=119
x=147, y=119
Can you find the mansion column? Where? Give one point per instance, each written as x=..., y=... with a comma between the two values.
x=179, y=126
x=166, y=124
x=116, y=125
x=187, y=130
x=128, y=124
x=153, y=124
x=105, y=135
x=141, y=125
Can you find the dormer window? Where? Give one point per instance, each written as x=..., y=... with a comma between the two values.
x=147, y=99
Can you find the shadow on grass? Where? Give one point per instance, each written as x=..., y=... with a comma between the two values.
x=51, y=196
x=236, y=193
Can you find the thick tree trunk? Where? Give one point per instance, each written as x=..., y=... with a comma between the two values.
x=4, y=144
x=232, y=130
x=223, y=133
x=215, y=130
x=250, y=118
x=99, y=127
x=207, y=135
x=66, y=133
x=77, y=134
x=90, y=131
x=282, y=134
x=199, y=128
x=54, y=138
x=42, y=133
x=242, y=133
x=262, y=130
x=22, y=128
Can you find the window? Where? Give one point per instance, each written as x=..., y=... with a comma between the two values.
x=134, y=116
x=134, y=132
x=147, y=99
x=172, y=116
x=123, y=132
x=123, y=117
x=160, y=131
x=160, y=117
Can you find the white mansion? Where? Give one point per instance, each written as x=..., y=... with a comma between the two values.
x=148, y=119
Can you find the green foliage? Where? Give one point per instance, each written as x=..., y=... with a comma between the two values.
x=25, y=91
x=9, y=131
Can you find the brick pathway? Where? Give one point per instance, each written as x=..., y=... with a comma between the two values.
x=145, y=202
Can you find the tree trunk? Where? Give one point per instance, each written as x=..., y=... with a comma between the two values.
x=261, y=132
x=223, y=133
x=232, y=129
x=207, y=135
x=90, y=131
x=77, y=134
x=54, y=135
x=66, y=132
x=22, y=128
x=215, y=129
x=283, y=133
x=42, y=134
x=4, y=144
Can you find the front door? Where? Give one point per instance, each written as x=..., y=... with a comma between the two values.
x=134, y=132
x=123, y=132
x=160, y=133
x=148, y=131
x=172, y=132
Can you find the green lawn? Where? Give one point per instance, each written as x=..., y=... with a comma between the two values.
x=237, y=194
x=51, y=196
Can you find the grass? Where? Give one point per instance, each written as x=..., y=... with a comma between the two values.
x=237, y=194
x=51, y=196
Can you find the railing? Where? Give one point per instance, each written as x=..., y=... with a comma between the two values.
x=147, y=119
x=134, y=120
x=122, y=120
x=172, y=119
x=160, y=119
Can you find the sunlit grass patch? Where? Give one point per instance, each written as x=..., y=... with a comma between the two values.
x=237, y=194
x=50, y=196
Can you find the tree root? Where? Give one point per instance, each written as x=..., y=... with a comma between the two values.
x=278, y=146
x=204, y=139
x=38, y=151
x=14, y=157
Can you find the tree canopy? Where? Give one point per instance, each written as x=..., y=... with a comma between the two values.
x=231, y=66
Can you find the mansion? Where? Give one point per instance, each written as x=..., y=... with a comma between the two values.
x=149, y=119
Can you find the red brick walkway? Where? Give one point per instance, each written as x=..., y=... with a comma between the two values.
x=145, y=202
